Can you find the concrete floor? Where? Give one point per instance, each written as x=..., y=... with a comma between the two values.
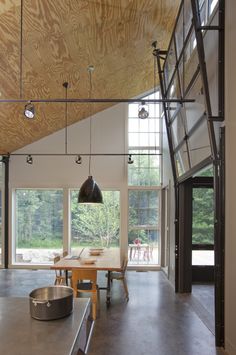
x=155, y=321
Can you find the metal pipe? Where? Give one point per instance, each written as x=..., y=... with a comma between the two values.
x=88, y=100
x=85, y=154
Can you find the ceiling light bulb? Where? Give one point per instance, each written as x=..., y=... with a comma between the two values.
x=130, y=160
x=143, y=111
x=78, y=159
x=29, y=111
x=29, y=159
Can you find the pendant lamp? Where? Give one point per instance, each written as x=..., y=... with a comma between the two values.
x=90, y=191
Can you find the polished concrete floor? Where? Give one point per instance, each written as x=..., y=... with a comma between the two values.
x=155, y=321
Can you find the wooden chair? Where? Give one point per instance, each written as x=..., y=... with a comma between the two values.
x=69, y=274
x=60, y=276
x=85, y=281
x=121, y=277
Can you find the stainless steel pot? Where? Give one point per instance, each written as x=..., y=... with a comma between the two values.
x=53, y=302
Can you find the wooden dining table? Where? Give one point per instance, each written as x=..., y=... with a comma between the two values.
x=108, y=260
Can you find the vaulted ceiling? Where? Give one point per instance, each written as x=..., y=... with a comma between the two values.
x=56, y=43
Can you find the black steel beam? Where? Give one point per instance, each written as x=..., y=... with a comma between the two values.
x=84, y=154
x=88, y=100
x=5, y=160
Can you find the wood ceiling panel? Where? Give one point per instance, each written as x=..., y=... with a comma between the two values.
x=60, y=39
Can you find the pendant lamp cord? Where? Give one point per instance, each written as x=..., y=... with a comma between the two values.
x=90, y=70
x=21, y=49
x=155, y=91
x=66, y=114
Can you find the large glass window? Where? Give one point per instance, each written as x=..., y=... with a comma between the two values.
x=1, y=209
x=95, y=225
x=38, y=225
x=144, y=140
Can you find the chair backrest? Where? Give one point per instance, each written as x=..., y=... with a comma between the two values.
x=55, y=260
x=124, y=266
x=84, y=275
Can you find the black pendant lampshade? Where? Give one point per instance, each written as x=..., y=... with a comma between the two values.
x=90, y=192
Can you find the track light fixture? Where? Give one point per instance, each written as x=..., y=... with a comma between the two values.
x=78, y=159
x=130, y=160
x=29, y=159
x=143, y=111
x=29, y=111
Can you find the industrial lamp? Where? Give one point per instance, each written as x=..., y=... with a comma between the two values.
x=90, y=191
x=143, y=111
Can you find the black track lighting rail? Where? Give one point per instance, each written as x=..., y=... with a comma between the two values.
x=97, y=100
x=82, y=154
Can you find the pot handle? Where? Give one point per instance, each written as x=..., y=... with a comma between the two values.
x=36, y=302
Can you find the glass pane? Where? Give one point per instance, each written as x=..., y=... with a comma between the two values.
x=154, y=109
x=143, y=226
x=181, y=160
x=144, y=205
x=203, y=11
x=178, y=129
x=187, y=17
x=133, y=110
x=199, y=145
x=146, y=252
x=203, y=216
x=134, y=124
x=169, y=65
x=208, y=171
x=195, y=110
x=191, y=61
x=134, y=139
x=179, y=33
x=154, y=125
x=212, y=62
x=145, y=171
x=174, y=93
x=203, y=257
x=95, y=225
x=39, y=225
x=213, y=4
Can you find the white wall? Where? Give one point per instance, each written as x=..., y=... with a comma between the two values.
x=230, y=230
x=108, y=136
x=110, y=172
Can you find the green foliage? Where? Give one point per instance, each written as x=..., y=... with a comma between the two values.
x=96, y=224
x=203, y=216
x=39, y=219
x=39, y=216
x=145, y=171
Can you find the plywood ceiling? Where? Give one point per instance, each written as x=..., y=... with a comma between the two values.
x=60, y=38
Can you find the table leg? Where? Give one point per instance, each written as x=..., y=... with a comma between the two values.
x=108, y=301
x=66, y=275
